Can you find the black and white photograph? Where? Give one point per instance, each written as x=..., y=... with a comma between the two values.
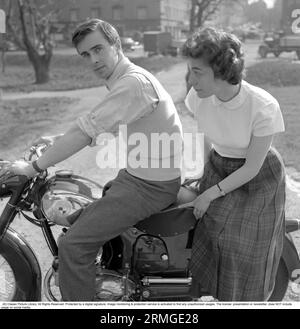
x=149, y=157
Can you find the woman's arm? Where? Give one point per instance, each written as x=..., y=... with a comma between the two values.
x=257, y=151
x=256, y=154
x=207, y=149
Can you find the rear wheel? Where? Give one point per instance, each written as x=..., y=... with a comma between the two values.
x=281, y=282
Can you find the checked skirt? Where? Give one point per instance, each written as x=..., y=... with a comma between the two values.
x=238, y=243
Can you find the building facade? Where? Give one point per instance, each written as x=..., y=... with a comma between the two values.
x=130, y=16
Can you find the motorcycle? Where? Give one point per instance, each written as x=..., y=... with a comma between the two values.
x=148, y=262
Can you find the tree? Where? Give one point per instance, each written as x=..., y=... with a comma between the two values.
x=202, y=10
x=30, y=27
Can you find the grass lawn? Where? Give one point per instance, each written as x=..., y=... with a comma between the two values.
x=282, y=80
x=288, y=143
x=23, y=120
x=277, y=72
x=67, y=72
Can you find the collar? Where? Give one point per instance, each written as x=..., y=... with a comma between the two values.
x=235, y=102
x=119, y=70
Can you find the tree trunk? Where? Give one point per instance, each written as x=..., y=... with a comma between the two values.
x=41, y=70
x=192, y=16
x=3, y=60
x=40, y=63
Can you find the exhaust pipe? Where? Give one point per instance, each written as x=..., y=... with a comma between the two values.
x=151, y=280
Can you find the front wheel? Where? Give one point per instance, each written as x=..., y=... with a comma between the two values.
x=281, y=283
x=18, y=279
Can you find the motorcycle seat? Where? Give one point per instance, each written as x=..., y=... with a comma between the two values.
x=171, y=221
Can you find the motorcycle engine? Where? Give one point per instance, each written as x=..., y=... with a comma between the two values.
x=150, y=255
x=112, y=286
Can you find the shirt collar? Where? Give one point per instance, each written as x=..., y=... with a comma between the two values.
x=235, y=102
x=119, y=70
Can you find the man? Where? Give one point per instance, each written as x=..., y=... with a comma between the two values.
x=138, y=100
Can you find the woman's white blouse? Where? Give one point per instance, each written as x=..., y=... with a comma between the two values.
x=230, y=125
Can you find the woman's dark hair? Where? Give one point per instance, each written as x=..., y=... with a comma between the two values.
x=91, y=25
x=220, y=50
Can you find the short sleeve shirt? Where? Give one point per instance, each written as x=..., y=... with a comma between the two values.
x=230, y=125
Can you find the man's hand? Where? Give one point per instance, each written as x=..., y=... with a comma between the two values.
x=48, y=140
x=24, y=168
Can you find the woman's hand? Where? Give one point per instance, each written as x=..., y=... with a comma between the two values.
x=201, y=205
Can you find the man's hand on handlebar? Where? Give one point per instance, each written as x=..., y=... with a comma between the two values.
x=24, y=167
x=48, y=140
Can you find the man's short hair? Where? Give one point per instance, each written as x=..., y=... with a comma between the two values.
x=109, y=32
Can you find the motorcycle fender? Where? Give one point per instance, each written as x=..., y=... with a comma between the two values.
x=29, y=265
x=290, y=256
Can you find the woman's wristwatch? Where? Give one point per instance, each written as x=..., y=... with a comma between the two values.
x=36, y=167
x=222, y=192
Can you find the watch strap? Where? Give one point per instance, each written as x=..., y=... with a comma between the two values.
x=36, y=167
x=221, y=191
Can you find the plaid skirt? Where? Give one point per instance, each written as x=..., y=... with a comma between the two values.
x=238, y=243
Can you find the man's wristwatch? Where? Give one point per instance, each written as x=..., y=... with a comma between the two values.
x=36, y=167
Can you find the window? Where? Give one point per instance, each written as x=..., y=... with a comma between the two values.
x=74, y=15
x=117, y=13
x=141, y=13
x=95, y=12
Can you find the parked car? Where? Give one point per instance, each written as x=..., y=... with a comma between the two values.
x=277, y=43
x=158, y=42
x=128, y=43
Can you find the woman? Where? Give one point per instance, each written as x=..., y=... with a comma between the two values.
x=240, y=205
